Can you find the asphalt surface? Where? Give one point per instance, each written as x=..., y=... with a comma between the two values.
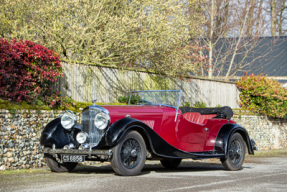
x=258, y=174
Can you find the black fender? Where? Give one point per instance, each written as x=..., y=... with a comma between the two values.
x=54, y=133
x=224, y=134
x=157, y=144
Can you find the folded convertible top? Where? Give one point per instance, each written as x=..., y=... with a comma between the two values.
x=222, y=112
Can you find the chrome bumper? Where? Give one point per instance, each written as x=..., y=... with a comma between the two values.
x=88, y=152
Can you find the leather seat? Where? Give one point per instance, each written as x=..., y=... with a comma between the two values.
x=204, y=117
x=192, y=116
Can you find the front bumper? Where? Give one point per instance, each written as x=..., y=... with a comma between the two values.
x=88, y=152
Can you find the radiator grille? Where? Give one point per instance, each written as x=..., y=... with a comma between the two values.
x=88, y=126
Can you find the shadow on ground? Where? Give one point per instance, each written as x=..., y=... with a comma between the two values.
x=156, y=167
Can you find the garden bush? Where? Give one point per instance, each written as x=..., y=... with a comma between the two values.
x=27, y=72
x=263, y=95
x=125, y=99
x=200, y=104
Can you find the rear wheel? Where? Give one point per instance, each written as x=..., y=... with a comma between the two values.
x=235, y=154
x=170, y=163
x=129, y=155
x=56, y=166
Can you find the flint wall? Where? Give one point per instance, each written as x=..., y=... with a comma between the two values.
x=20, y=133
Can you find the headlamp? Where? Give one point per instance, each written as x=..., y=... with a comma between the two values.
x=68, y=120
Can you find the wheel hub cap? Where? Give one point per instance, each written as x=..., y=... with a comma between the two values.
x=134, y=153
x=130, y=153
x=235, y=152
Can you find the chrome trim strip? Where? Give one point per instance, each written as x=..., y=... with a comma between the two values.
x=76, y=151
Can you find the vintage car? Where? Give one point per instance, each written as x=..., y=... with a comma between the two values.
x=154, y=128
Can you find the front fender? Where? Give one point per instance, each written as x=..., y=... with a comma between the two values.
x=224, y=134
x=54, y=133
x=119, y=128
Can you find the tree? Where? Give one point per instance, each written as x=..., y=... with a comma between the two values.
x=146, y=34
x=277, y=11
x=282, y=19
x=233, y=28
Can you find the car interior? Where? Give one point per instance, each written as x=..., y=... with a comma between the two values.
x=200, y=115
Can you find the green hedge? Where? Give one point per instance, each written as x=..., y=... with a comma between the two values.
x=263, y=96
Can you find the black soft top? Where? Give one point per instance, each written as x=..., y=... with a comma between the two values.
x=222, y=112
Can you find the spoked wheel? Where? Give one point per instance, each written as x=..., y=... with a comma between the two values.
x=170, y=163
x=236, y=153
x=129, y=155
x=57, y=166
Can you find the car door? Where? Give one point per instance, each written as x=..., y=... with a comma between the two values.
x=191, y=132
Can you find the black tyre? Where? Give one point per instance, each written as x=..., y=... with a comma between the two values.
x=57, y=166
x=129, y=155
x=235, y=154
x=170, y=163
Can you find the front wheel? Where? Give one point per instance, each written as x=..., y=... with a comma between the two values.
x=57, y=166
x=235, y=154
x=129, y=155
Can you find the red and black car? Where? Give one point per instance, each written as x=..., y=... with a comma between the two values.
x=154, y=128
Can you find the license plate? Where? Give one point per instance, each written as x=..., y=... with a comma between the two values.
x=73, y=158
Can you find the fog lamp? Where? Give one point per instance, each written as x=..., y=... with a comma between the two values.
x=82, y=137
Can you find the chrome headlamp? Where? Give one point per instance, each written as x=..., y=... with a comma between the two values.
x=82, y=137
x=68, y=120
x=102, y=120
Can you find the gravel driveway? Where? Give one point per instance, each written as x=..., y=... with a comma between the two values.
x=258, y=174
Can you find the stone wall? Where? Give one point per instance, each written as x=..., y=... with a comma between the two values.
x=19, y=137
x=20, y=133
x=269, y=133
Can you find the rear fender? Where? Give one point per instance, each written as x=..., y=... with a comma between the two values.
x=224, y=134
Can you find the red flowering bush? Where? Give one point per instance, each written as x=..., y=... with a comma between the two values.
x=263, y=96
x=27, y=72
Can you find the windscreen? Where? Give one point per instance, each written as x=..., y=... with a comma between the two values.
x=155, y=97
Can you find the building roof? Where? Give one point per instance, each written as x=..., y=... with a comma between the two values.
x=268, y=57
x=274, y=61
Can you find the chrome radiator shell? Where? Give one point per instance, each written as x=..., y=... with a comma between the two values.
x=88, y=126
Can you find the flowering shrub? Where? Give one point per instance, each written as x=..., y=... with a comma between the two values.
x=263, y=96
x=27, y=72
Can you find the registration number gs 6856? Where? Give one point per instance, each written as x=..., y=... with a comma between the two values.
x=73, y=158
